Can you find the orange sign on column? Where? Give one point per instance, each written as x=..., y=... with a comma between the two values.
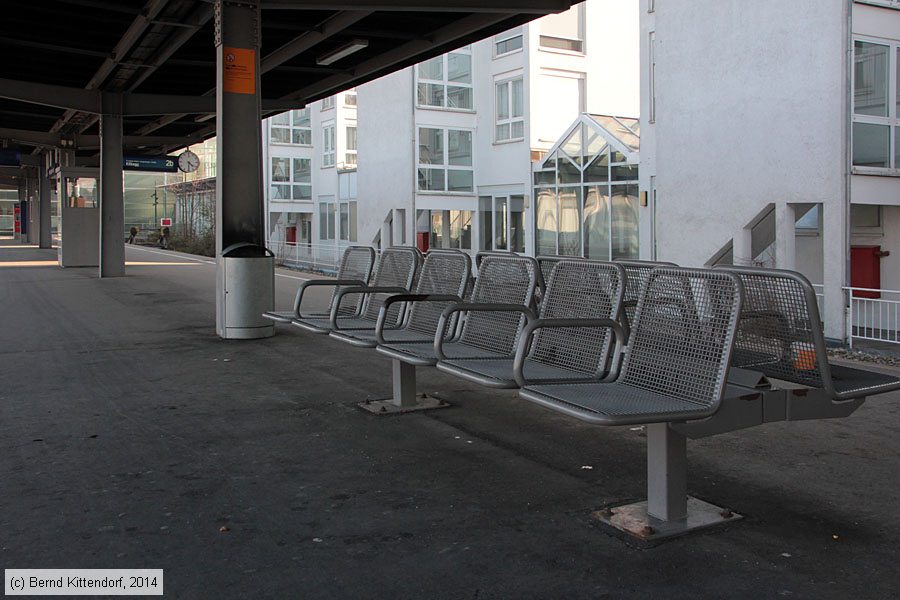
x=239, y=74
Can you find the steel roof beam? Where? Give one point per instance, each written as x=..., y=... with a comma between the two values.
x=538, y=7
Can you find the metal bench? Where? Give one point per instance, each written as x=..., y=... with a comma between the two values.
x=394, y=274
x=780, y=334
x=355, y=270
x=638, y=272
x=550, y=350
x=675, y=370
x=505, y=283
x=442, y=281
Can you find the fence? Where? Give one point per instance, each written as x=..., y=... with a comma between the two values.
x=873, y=314
x=313, y=257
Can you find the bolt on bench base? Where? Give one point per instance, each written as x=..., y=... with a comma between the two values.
x=634, y=520
x=405, y=398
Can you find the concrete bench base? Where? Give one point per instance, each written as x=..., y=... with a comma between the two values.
x=633, y=520
x=388, y=406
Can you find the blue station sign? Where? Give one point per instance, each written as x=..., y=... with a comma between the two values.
x=10, y=157
x=164, y=164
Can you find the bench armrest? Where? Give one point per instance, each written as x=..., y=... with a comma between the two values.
x=382, y=313
x=364, y=290
x=473, y=307
x=524, y=347
x=298, y=299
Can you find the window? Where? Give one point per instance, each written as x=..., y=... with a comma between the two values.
x=502, y=223
x=445, y=160
x=564, y=31
x=328, y=103
x=326, y=218
x=291, y=179
x=292, y=127
x=350, y=154
x=446, y=81
x=350, y=99
x=652, y=82
x=508, y=42
x=328, y=145
x=865, y=217
x=510, y=110
x=876, y=105
x=345, y=221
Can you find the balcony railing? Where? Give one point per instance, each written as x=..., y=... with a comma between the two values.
x=874, y=314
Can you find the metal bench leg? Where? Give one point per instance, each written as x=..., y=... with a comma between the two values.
x=404, y=384
x=666, y=473
x=668, y=510
x=404, y=398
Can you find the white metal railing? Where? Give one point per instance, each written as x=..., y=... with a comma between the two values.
x=316, y=257
x=873, y=318
x=820, y=296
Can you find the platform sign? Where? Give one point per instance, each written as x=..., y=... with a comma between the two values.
x=17, y=219
x=10, y=157
x=165, y=222
x=161, y=163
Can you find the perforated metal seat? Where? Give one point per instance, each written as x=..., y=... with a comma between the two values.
x=638, y=271
x=442, y=281
x=578, y=289
x=506, y=285
x=677, y=361
x=781, y=335
x=355, y=270
x=394, y=274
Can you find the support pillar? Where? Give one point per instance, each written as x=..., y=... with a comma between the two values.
x=24, y=210
x=835, y=252
x=404, y=378
x=666, y=473
x=45, y=191
x=112, y=194
x=742, y=247
x=404, y=398
x=239, y=192
x=785, y=236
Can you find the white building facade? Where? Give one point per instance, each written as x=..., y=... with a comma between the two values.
x=771, y=135
x=446, y=148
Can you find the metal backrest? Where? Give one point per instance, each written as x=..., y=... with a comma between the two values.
x=638, y=271
x=546, y=263
x=501, y=280
x=680, y=354
x=356, y=263
x=397, y=267
x=444, y=272
x=579, y=289
x=780, y=332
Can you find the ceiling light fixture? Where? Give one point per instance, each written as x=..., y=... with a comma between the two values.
x=342, y=52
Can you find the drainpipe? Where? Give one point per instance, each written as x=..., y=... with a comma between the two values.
x=848, y=132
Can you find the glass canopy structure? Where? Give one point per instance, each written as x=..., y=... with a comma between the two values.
x=586, y=190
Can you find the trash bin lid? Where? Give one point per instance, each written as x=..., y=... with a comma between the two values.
x=246, y=250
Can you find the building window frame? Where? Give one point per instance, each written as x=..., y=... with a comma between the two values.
x=328, y=103
x=445, y=84
x=891, y=120
x=510, y=121
x=351, y=145
x=556, y=43
x=328, y=145
x=296, y=179
x=446, y=164
x=295, y=125
x=505, y=38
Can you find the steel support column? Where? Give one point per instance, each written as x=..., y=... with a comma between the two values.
x=666, y=473
x=45, y=235
x=112, y=194
x=239, y=194
x=34, y=205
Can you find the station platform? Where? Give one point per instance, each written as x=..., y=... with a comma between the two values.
x=131, y=436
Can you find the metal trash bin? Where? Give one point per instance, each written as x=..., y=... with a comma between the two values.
x=246, y=274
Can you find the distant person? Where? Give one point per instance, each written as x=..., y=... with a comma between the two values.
x=164, y=238
x=133, y=235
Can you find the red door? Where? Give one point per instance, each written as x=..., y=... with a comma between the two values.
x=865, y=270
x=290, y=235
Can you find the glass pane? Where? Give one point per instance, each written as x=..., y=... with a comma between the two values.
x=548, y=41
x=570, y=221
x=302, y=136
x=432, y=69
x=870, y=145
x=598, y=170
x=460, y=181
x=518, y=98
x=624, y=221
x=353, y=222
x=282, y=119
x=302, y=170
x=572, y=145
x=345, y=221
x=459, y=97
x=323, y=221
x=545, y=221
x=487, y=228
x=870, y=79
x=281, y=192
x=431, y=179
x=351, y=138
x=301, y=117
x=437, y=229
x=455, y=228
x=500, y=223
x=503, y=132
x=567, y=172
x=431, y=94
x=281, y=169
x=330, y=221
x=459, y=68
x=508, y=45
x=596, y=222
x=865, y=215
x=502, y=100
x=625, y=173
x=281, y=135
x=518, y=130
x=545, y=178
x=517, y=223
x=594, y=142
x=431, y=146
x=459, y=145
x=302, y=192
